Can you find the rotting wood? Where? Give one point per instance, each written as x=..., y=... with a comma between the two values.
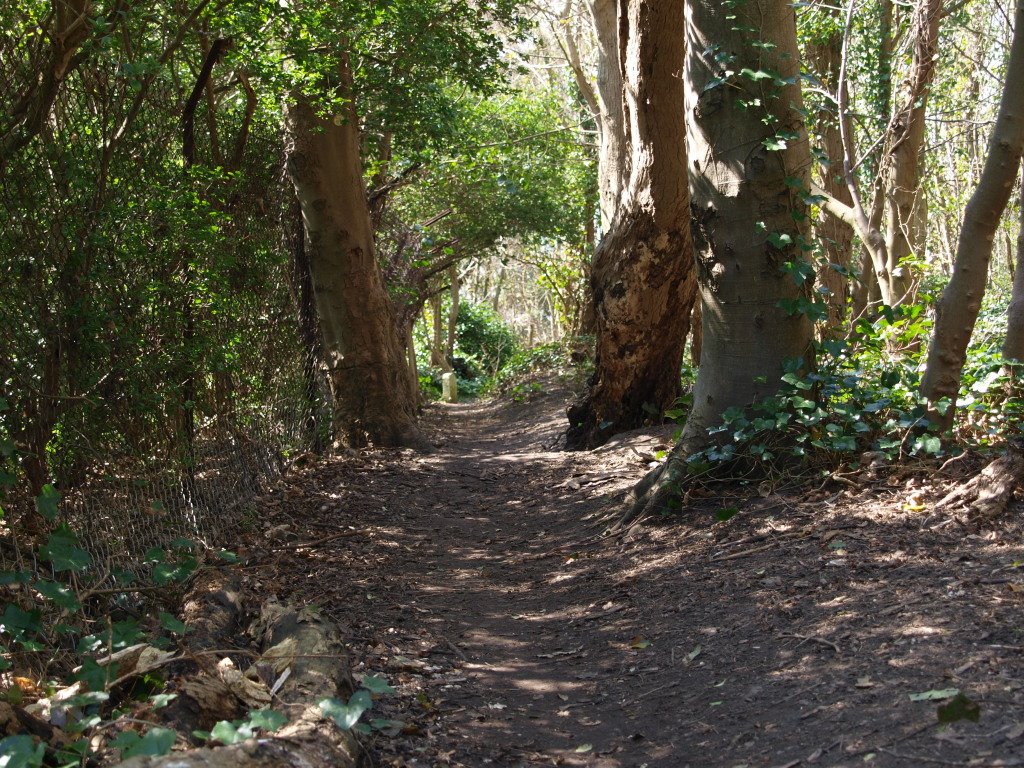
x=302, y=641
x=987, y=495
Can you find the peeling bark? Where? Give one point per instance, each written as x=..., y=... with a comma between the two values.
x=643, y=275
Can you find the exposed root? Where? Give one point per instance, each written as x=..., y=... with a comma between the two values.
x=658, y=492
x=987, y=495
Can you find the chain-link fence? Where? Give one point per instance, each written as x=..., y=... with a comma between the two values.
x=157, y=350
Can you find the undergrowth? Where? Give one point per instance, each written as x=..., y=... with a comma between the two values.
x=862, y=404
x=73, y=637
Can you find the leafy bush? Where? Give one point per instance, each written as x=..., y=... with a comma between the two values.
x=58, y=629
x=484, y=339
x=517, y=376
x=863, y=397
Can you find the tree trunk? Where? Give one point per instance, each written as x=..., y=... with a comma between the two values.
x=958, y=308
x=438, y=358
x=1013, y=348
x=749, y=221
x=835, y=236
x=302, y=282
x=453, y=311
x=904, y=156
x=410, y=355
x=643, y=275
x=612, y=163
x=373, y=401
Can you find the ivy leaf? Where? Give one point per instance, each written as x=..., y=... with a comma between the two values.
x=780, y=239
x=375, y=684
x=63, y=552
x=959, y=708
x=17, y=622
x=757, y=75
x=21, y=752
x=172, y=623
x=347, y=715
x=228, y=732
x=61, y=595
x=47, y=501
x=267, y=719
x=156, y=742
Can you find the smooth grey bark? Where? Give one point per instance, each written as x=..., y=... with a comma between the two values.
x=905, y=195
x=743, y=201
x=835, y=236
x=1013, y=347
x=613, y=159
x=957, y=309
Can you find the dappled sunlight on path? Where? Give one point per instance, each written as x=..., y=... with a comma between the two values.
x=477, y=581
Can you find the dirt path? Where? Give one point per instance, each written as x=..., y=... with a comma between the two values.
x=475, y=580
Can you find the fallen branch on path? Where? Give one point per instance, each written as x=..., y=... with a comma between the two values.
x=811, y=638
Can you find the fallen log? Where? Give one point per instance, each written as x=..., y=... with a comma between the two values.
x=303, y=662
x=987, y=495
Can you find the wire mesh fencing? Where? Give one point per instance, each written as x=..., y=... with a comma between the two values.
x=156, y=365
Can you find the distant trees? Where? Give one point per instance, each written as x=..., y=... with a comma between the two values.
x=957, y=310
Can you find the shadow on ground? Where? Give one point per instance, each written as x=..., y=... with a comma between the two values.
x=476, y=580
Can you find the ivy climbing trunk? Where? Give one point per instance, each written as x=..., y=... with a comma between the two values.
x=957, y=310
x=374, y=403
x=643, y=275
x=748, y=165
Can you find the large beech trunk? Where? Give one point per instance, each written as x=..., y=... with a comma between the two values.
x=374, y=403
x=958, y=308
x=643, y=273
x=745, y=210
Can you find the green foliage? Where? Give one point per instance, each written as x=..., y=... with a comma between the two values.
x=234, y=731
x=48, y=627
x=154, y=743
x=862, y=397
x=346, y=715
x=518, y=377
x=483, y=339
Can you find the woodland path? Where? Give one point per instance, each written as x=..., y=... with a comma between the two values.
x=474, y=578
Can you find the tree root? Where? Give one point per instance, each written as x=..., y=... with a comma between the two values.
x=987, y=495
x=305, y=660
x=659, y=492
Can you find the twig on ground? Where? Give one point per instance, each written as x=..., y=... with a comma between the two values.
x=455, y=649
x=916, y=759
x=320, y=543
x=813, y=639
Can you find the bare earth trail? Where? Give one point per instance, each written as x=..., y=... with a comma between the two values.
x=476, y=580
